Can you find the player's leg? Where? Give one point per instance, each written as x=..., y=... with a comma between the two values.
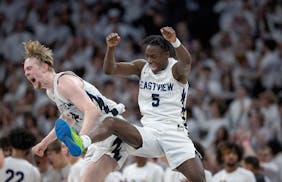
x=97, y=171
x=180, y=151
x=122, y=129
x=192, y=169
x=111, y=125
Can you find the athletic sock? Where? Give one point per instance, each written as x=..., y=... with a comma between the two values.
x=86, y=140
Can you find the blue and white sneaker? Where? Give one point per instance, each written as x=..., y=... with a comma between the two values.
x=69, y=137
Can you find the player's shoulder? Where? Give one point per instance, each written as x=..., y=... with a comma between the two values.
x=67, y=77
x=137, y=66
x=68, y=80
x=139, y=62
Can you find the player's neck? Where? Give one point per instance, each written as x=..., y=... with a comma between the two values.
x=231, y=169
x=18, y=153
x=48, y=82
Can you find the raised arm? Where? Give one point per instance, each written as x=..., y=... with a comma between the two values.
x=111, y=67
x=183, y=66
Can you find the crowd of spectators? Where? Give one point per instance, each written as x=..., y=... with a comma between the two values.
x=235, y=92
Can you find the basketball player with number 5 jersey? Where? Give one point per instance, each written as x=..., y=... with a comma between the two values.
x=163, y=88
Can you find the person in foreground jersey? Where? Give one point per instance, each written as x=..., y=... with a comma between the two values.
x=79, y=103
x=163, y=88
x=16, y=167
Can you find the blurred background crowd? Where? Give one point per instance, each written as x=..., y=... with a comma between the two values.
x=235, y=92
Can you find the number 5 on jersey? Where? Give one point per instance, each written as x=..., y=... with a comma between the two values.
x=156, y=100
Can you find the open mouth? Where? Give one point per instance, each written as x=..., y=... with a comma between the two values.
x=36, y=84
x=154, y=67
x=32, y=80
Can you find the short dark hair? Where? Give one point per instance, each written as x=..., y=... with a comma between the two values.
x=4, y=142
x=275, y=146
x=229, y=146
x=21, y=138
x=253, y=161
x=157, y=40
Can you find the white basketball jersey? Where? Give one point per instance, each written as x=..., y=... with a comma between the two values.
x=107, y=106
x=161, y=97
x=16, y=169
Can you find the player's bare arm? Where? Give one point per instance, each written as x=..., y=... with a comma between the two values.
x=124, y=68
x=39, y=148
x=183, y=66
x=71, y=88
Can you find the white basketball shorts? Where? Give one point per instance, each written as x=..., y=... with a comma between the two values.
x=166, y=138
x=112, y=146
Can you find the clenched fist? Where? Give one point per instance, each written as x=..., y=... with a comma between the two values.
x=113, y=40
x=169, y=34
x=39, y=149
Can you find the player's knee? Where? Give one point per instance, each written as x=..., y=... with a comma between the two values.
x=199, y=177
x=193, y=170
x=109, y=123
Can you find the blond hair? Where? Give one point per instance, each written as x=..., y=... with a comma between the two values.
x=39, y=51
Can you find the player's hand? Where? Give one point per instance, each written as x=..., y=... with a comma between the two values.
x=169, y=34
x=39, y=149
x=113, y=40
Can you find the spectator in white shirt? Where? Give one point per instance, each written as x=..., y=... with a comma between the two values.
x=57, y=156
x=48, y=174
x=230, y=154
x=269, y=108
x=238, y=109
x=266, y=157
x=252, y=164
x=143, y=170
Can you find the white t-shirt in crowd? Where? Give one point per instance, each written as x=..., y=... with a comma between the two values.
x=240, y=174
x=151, y=172
x=176, y=176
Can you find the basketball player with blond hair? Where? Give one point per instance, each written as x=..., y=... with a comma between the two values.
x=81, y=104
